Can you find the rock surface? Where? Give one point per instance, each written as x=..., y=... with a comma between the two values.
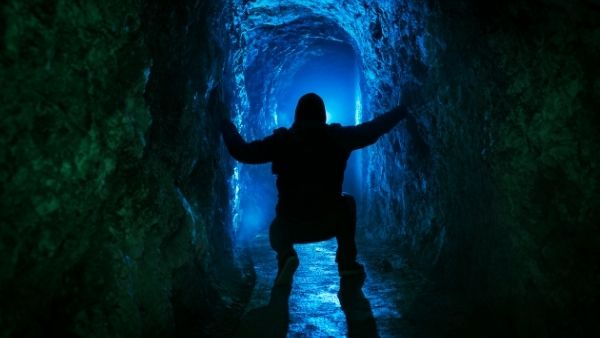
x=115, y=217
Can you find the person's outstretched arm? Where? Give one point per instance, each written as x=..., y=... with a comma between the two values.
x=256, y=152
x=364, y=134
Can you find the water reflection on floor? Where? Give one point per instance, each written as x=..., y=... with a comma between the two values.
x=318, y=306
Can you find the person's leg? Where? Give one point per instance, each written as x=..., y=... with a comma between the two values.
x=346, y=231
x=346, y=252
x=280, y=238
x=287, y=231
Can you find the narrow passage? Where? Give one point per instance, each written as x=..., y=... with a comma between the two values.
x=372, y=307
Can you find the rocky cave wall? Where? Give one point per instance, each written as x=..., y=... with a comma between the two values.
x=115, y=205
x=497, y=184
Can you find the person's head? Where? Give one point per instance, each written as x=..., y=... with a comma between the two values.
x=310, y=109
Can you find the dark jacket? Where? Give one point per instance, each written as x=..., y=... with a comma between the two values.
x=309, y=159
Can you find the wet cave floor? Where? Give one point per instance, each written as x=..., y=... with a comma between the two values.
x=387, y=303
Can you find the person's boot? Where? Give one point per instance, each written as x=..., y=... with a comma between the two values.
x=351, y=269
x=285, y=273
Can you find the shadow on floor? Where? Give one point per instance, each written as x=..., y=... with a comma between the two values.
x=272, y=320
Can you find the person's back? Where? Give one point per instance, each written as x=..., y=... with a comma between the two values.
x=309, y=160
x=310, y=170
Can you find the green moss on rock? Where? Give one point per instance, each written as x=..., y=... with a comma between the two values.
x=100, y=234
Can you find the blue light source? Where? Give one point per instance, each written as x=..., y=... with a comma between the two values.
x=332, y=75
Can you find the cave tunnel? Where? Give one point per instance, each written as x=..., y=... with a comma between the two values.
x=299, y=57
x=124, y=215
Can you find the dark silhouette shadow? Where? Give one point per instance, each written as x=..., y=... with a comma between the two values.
x=356, y=307
x=270, y=321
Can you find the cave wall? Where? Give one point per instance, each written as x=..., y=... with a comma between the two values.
x=115, y=205
x=498, y=192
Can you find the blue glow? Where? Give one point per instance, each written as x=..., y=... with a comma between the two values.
x=257, y=197
x=254, y=219
x=235, y=190
x=358, y=116
x=331, y=75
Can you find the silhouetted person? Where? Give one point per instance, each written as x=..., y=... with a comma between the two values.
x=309, y=160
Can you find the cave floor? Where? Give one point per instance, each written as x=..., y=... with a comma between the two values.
x=382, y=307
